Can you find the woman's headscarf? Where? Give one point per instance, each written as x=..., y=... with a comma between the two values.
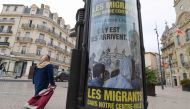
x=44, y=61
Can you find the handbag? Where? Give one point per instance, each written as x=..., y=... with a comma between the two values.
x=40, y=101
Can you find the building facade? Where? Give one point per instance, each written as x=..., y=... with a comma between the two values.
x=176, y=45
x=26, y=33
x=152, y=62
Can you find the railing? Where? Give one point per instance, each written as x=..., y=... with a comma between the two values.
x=186, y=64
x=23, y=54
x=6, y=32
x=51, y=32
x=7, y=21
x=43, y=28
x=28, y=26
x=57, y=61
x=4, y=43
x=168, y=44
x=69, y=43
x=59, y=49
x=51, y=45
x=24, y=39
x=68, y=53
x=40, y=41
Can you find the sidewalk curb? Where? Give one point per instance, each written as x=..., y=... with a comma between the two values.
x=15, y=80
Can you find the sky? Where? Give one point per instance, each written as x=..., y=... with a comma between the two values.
x=153, y=12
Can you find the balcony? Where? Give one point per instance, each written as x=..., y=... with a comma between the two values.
x=68, y=53
x=28, y=26
x=6, y=33
x=59, y=49
x=46, y=29
x=70, y=44
x=186, y=64
x=4, y=44
x=26, y=55
x=57, y=61
x=43, y=28
x=68, y=63
x=41, y=42
x=50, y=45
x=168, y=44
x=7, y=21
x=24, y=39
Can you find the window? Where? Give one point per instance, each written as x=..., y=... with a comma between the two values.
x=49, y=53
x=38, y=51
x=184, y=75
x=4, y=19
x=1, y=28
x=23, y=51
x=41, y=36
x=27, y=34
x=51, y=41
x=182, y=59
x=15, y=9
x=30, y=23
x=9, y=30
x=44, y=23
x=3, y=50
x=33, y=11
x=170, y=61
x=53, y=29
x=178, y=40
x=181, y=7
x=12, y=19
x=57, y=57
x=8, y=7
x=65, y=48
x=6, y=39
x=188, y=35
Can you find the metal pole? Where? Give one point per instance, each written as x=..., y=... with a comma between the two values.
x=142, y=55
x=159, y=58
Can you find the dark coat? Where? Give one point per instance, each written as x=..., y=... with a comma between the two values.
x=43, y=77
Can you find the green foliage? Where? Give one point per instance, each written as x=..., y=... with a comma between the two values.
x=185, y=82
x=151, y=78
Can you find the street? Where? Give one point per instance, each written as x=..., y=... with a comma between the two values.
x=14, y=95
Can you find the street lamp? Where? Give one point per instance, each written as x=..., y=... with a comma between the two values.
x=159, y=57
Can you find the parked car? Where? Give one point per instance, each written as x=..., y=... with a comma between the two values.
x=61, y=76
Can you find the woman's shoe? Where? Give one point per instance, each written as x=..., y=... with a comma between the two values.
x=27, y=106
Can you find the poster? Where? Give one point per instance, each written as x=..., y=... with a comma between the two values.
x=114, y=72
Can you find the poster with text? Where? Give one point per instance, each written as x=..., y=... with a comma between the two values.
x=115, y=71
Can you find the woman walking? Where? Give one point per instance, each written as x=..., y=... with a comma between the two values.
x=43, y=76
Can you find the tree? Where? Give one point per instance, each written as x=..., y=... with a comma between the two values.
x=151, y=78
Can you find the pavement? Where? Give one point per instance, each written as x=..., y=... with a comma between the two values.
x=13, y=95
x=12, y=79
x=170, y=98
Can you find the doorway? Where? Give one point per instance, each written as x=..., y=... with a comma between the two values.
x=20, y=68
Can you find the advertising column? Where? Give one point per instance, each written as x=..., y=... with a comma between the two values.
x=115, y=67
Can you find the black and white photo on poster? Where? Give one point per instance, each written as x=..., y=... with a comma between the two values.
x=115, y=59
